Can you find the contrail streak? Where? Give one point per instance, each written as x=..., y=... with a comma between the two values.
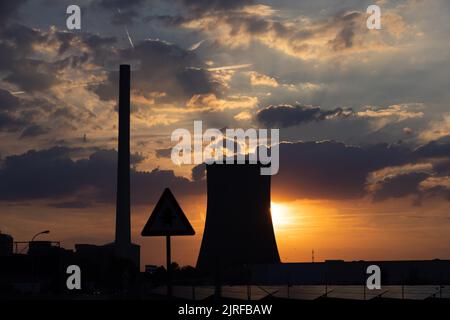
x=126, y=31
x=129, y=38
x=195, y=46
x=238, y=66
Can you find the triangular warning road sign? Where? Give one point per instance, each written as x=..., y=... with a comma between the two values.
x=167, y=219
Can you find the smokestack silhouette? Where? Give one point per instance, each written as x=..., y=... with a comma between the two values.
x=123, y=226
x=238, y=227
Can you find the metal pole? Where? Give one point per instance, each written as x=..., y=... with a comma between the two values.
x=169, y=268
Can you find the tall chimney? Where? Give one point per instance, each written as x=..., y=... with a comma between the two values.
x=123, y=226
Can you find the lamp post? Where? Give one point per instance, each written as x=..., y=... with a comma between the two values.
x=39, y=233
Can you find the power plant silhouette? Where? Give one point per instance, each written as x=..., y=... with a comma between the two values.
x=238, y=228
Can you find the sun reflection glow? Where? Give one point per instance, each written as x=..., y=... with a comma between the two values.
x=281, y=215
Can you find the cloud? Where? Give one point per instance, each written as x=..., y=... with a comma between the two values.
x=10, y=118
x=257, y=79
x=205, y=6
x=9, y=9
x=345, y=38
x=8, y=102
x=329, y=169
x=33, y=75
x=120, y=4
x=52, y=174
x=420, y=180
x=33, y=131
x=308, y=170
x=163, y=67
x=235, y=24
x=210, y=102
x=243, y=116
x=437, y=129
x=125, y=12
x=288, y=115
x=399, y=186
x=332, y=170
x=10, y=123
x=401, y=112
x=336, y=171
x=435, y=149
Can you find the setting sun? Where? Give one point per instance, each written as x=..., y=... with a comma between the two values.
x=280, y=214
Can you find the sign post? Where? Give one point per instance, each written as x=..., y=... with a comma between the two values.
x=167, y=219
x=169, y=267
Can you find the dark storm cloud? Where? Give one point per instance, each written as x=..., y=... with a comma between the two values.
x=203, y=6
x=124, y=12
x=315, y=170
x=52, y=174
x=121, y=4
x=349, y=24
x=10, y=123
x=288, y=115
x=8, y=101
x=22, y=38
x=100, y=48
x=33, y=75
x=331, y=169
x=400, y=186
x=33, y=131
x=164, y=67
x=435, y=149
x=124, y=18
x=442, y=168
x=338, y=171
x=10, y=120
x=8, y=9
x=22, y=68
x=16, y=45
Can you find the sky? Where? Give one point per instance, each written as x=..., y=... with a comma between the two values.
x=363, y=115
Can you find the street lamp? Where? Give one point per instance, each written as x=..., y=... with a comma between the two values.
x=32, y=239
x=38, y=234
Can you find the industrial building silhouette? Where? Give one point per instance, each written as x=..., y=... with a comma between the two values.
x=238, y=227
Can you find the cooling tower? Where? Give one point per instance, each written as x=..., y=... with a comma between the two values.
x=238, y=227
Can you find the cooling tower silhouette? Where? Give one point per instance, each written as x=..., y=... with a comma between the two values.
x=238, y=228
